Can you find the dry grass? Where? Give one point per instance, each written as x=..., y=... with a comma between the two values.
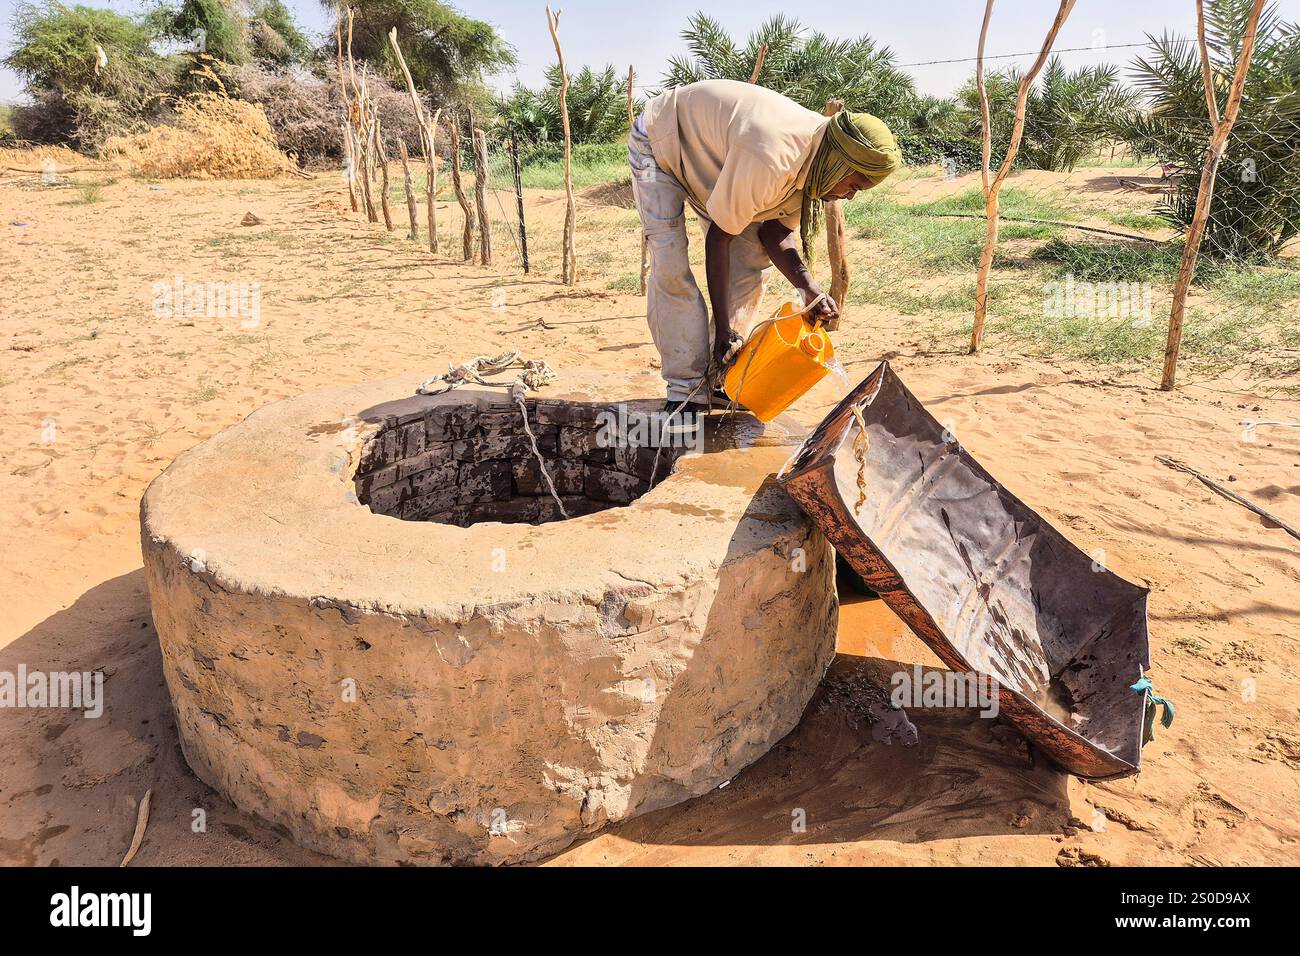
x=213, y=137
x=34, y=158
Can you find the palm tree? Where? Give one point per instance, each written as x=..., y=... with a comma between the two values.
x=810, y=68
x=1066, y=113
x=1256, y=205
x=597, y=101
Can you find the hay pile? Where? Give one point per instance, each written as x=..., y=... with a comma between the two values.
x=213, y=137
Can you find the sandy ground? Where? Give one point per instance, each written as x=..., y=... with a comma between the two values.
x=101, y=393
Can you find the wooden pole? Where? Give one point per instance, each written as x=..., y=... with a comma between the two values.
x=519, y=199
x=994, y=187
x=345, y=128
x=428, y=141
x=480, y=197
x=569, y=273
x=467, y=237
x=410, y=191
x=381, y=157
x=349, y=162
x=836, y=239
x=1220, y=128
x=645, y=246
x=431, y=179
x=364, y=136
x=758, y=64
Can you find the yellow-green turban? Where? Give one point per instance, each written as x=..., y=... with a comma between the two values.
x=854, y=142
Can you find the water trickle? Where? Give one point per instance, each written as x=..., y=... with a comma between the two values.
x=837, y=369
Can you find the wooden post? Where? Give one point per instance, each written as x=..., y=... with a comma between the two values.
x=480, y=197
x=994, y=187
x=431, y=179
x=519, y=199
x=569, y=273
x=758, y=64
x=349, y=163
x=381, y=157
x=467, y=238
x=645, y=246
x=410, y=191
x=1220, y=128
x=345, y=128
x=836, y=238
x=363, y=147
x=428, y=141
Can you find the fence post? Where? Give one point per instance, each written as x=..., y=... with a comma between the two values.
x=467, y=237
x=569, y=273
x=410, y=191
x=431, y=179
x=519, y=199
x=349, y=158
x=1214, y=150
x=381, y=157
x=993, y=187
x=645, y=251
x=480, y=196
x=835, y=235
x=758, y=64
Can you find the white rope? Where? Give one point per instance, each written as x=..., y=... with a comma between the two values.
x=517, y=393
x=534, y=373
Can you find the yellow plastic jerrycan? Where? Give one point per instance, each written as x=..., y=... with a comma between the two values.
x=782, y=358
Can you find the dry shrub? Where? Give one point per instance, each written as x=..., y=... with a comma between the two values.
x=213, y=137
x=305, y=110
x=37, y=159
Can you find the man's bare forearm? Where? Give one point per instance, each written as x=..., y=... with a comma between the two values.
x=782, y=247
x=717, y=270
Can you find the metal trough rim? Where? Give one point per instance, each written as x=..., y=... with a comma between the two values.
x=808, y=477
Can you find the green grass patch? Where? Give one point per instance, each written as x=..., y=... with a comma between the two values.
x=89, y=193
x=931, y=235
x=1140, y=221
x=591, y=164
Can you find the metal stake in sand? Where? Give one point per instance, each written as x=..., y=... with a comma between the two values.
x=519, y=199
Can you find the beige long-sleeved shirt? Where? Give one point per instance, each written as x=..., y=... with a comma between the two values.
x=741, y=151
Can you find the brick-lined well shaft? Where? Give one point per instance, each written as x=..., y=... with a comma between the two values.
x=466, y=463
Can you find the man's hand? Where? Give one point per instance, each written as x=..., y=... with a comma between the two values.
x=782, y=247
x=725, y=347
x=827, y=311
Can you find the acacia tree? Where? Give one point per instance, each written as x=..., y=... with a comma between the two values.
x=449, y=54
x=90, y=73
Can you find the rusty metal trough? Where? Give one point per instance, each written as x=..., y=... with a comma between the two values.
x=985, y=581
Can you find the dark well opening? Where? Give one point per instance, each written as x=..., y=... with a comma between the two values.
x=462, y=463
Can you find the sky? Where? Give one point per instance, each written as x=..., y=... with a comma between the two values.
x=645, y=35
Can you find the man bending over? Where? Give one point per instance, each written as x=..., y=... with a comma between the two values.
x=755, y=166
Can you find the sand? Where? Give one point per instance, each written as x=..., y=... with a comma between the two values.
x=101, y=392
